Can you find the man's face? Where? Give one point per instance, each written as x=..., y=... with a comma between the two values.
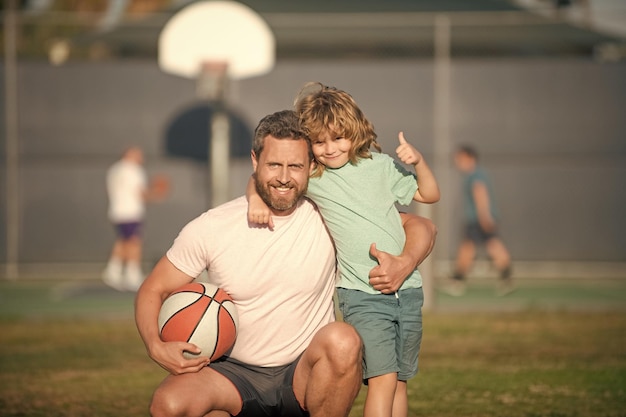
x=282, y=173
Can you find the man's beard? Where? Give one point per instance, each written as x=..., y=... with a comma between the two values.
x=277, y=203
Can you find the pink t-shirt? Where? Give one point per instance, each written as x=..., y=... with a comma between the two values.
x=282, y=281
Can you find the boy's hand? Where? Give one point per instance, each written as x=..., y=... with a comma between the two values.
x=406, y=152
x=259, y=213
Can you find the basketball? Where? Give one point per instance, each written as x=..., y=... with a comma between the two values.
x=160, y=186
x=202, y=314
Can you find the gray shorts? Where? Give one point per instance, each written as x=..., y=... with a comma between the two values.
x=475, y=233
x=265, y=391
x=390, y=326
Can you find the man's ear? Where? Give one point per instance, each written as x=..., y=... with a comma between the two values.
x=254, y=160
x=312, y=166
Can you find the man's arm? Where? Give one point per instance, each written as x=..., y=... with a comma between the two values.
x=392, y=270
x=163, y=279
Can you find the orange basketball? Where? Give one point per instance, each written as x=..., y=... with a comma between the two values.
x=160, y=185
x=202, y=314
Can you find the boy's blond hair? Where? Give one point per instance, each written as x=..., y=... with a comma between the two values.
x=322, y=108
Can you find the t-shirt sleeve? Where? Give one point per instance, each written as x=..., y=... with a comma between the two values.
x=189, y=253
x=403, y=182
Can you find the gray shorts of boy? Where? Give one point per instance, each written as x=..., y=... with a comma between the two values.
x=390, y=326
x=265, y=391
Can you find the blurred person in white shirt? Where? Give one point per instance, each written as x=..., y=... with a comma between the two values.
x=128, y=191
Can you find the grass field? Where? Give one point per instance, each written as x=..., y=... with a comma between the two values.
x=70, y=349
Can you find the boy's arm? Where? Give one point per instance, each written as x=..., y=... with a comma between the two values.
x=258, y=212
x=391, y=271
x=428, y=190
x=482, y=202
x=427, y=187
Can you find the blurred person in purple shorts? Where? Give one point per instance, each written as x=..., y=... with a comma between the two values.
x=128, y=192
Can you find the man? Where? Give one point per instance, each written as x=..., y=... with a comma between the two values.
x=128, y=191
x=481, y=217
x=290, y=358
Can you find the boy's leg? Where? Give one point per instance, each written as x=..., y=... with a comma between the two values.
x=380, y=395
x=134, y=275
x=456, y=285
x=113, y=272
x=502, y=261
x=464, y=259
x=328, y=376
x=400, y=401
x=499, y=253
x=409, y=341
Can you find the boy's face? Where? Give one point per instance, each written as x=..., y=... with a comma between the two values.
x=331, y=149
x=282, y=173
x=464, y=162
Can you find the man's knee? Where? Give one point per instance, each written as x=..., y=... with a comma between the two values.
x=344, y=345
x=164, y=404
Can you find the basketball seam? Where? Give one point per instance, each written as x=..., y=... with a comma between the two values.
x=212, y=299
x=171, y=317
x=217, y=318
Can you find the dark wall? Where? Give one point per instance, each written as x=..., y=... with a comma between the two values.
x=552, y=134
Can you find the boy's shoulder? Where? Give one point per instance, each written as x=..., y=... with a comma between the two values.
x=380, y=158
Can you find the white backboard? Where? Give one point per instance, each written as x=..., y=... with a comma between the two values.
x=217, y=31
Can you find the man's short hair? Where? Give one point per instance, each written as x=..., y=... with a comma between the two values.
x=283, y=124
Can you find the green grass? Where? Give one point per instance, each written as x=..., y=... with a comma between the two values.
x=62, y=367
x=522, y=364
x=515, y=364
x=77, y=353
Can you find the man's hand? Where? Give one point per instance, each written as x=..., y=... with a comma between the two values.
x=391, y=271
x=169, y=355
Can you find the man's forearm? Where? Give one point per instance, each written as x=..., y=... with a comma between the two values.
x=421, y=234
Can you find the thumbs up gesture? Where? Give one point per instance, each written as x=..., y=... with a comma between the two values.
x=391, y=271
x=407, y=152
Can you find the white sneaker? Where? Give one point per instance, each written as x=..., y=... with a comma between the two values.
x=505, y=287
x=133, y=278
x=453, y=287
x=112, y=279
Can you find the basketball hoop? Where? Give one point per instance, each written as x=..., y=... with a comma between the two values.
x=217, y=31
x=212, y=83
x=214, y=42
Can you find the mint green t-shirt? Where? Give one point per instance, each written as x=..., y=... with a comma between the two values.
x=357, y=203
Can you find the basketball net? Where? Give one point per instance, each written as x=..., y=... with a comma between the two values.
x=212, y=82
